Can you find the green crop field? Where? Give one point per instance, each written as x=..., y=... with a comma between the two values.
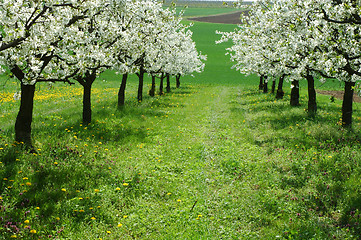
x=214, y=159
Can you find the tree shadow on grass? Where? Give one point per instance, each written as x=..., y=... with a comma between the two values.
x=276, y=123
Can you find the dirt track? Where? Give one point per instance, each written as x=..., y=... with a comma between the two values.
x=229, y=18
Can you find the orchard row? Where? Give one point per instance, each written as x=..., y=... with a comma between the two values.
x=301, y=39
x=75, y=41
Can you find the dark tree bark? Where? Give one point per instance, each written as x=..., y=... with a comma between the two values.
x=161, y=84
x=177, y=78
x=140, y=86
x=295, y=94
x=312, y=104
x=280, y=93
x=265, y=84
x=25, y=115
x=121, y=93
x=87, y=82
x=260, y=85
x=273, y=86
x=152, y=88
x=168, y=83
x=347, y=104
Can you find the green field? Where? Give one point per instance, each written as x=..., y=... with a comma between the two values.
x=215, y=159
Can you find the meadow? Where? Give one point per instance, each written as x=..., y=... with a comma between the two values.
x=214, y=159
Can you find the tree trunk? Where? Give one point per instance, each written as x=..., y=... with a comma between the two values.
x=161, y=85
x=140, y=86
x=280, y=93
x=295, y=94
x=177, y=78
x=87, y=83
x=312, y=104
x=25, y=115
x=260, y=86
x=168, y=83
x=265, y=84
x=347, y=104
x=273, y=85
x=87, y=111
x=152, y=89
x=121, y=93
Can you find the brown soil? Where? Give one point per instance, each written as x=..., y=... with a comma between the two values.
x=338, y=95
x=229, y=18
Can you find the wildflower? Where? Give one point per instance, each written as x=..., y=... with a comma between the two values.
x=26, y=221
x=118, y=189
x=57, y=218
x=33, y=231
x=125, y=184
x=169, y=193
x=37, y=208
x=25, y=178
x=28, y=184
x=63, y=190
x=92, y=218
x=13, y=236
x=125, y=216
x=56, y=163
x=96, y=190
x=1, y=198
x=91, y=208
x=81, y=210
x=119, y=225
x=179, y=200
x=109, y=232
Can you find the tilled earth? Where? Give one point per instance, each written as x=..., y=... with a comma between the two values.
x=229, y=18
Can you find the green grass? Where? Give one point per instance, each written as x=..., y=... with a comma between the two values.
x=214, y=159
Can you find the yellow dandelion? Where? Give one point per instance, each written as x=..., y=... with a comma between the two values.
x=1, y=198
x=109, y=232
x=63, y=190
x=26, y=221
x=13, y=236
x=57, y=218
x=92, y=218
x=37, y=208
x=91, y=208
x=28, y=184
x=117, y=189
x=169, y=193
x=96, y=190
x=120, y=225
x=179, y=200
x=25, y=178
x=125, y=184
x=81, y=210
x=33, y=231
x=125, y=216
x=80, y=198
x=56, y=163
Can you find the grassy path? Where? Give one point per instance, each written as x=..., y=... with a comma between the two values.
x=199, y=193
